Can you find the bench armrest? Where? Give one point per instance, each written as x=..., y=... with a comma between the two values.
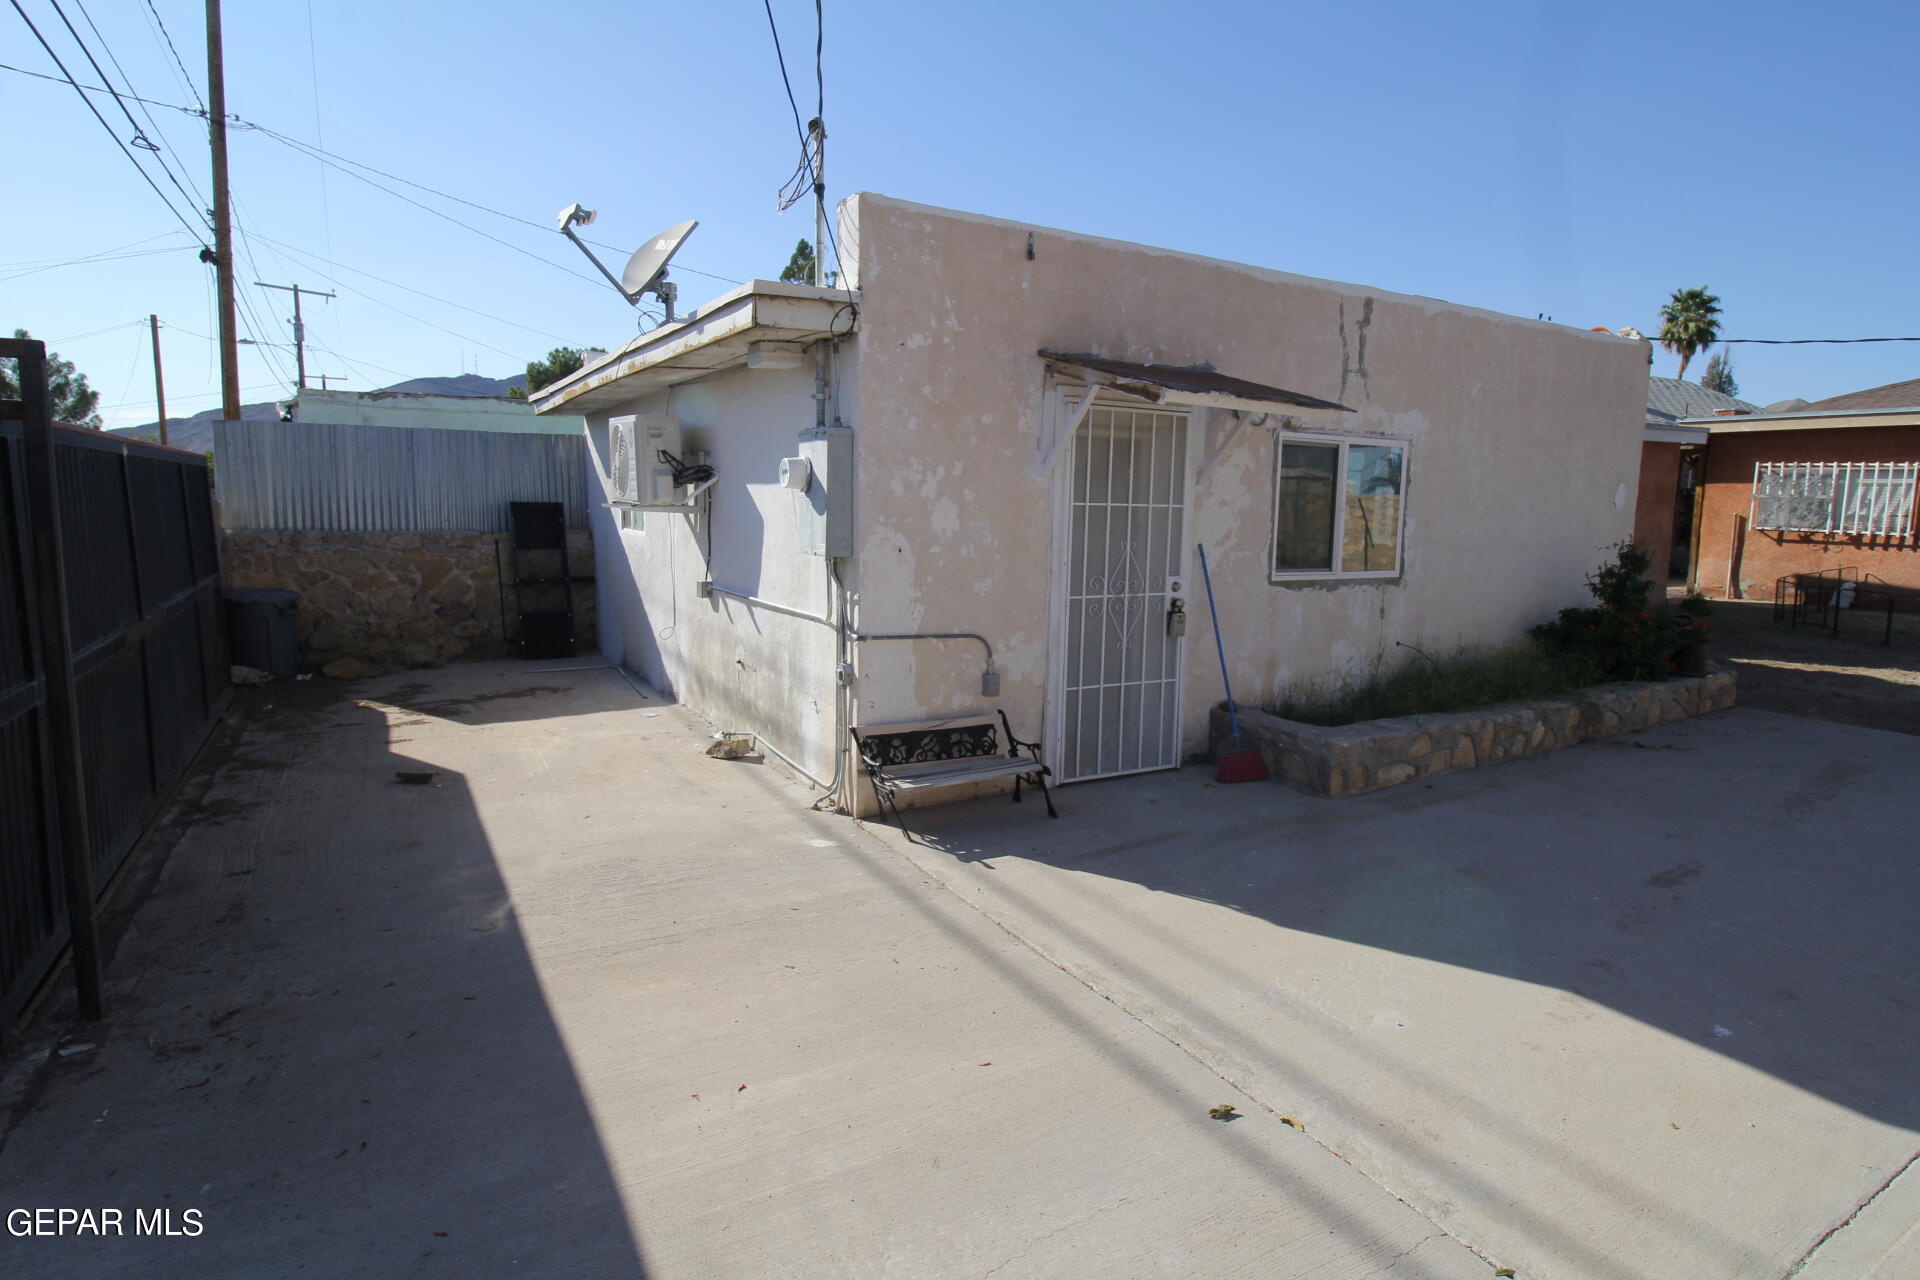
x=1013, y=743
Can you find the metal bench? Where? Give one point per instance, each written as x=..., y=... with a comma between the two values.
x=919, y=759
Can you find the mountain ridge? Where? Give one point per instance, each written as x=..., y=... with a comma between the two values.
x=196, y=433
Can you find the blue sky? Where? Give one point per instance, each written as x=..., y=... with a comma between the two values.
x=1576, y=160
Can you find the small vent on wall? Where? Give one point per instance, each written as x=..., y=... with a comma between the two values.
x=625, y=486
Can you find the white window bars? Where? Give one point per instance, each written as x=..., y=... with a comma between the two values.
x=1874, y=499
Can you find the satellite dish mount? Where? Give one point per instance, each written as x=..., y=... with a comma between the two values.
x=646, y=271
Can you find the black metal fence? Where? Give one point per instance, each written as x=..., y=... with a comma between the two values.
x=146, y=637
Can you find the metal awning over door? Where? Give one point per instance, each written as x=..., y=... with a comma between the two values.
x=1198, y=386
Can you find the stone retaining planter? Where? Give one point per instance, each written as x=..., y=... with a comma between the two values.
x=1352, y=758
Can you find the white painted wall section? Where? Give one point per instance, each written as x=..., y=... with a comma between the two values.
x=747, y=669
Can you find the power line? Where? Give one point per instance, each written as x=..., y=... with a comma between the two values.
x=139, y=139
x=107, y=256
x=323, y=154
x=396, y=310
x=248, y=305
x=60, y=262
x=94, y=88
x=508, y=244
x=360, y=364
x=319, y=153
x=1792, y=342
x=96, y=258
x=341, y=266
x=209, y=395
x=820, y=114
x=809, y=167
x=168, y=36
x=78, y=88
x=112, y=328
x=780, y=54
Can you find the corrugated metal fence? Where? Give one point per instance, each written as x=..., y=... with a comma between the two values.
x=316, y=476
x=148, y=640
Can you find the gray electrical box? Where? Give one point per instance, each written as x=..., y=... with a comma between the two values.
x=829, y=452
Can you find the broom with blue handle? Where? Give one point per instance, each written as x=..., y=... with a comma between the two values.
x=1239, y=762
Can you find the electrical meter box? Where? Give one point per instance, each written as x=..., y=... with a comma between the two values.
x=829, y=455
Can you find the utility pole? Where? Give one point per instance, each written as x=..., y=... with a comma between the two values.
x=159, y=384
x=222, y=217
x=818, y=129
x=299, y=329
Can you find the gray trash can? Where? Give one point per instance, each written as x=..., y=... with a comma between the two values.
x=263, y=629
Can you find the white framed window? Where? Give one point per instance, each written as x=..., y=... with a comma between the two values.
x=1875, y=499
x=1338, y=507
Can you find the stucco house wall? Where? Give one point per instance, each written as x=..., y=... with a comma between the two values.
x=1524, y=450
x=1737, y=562
x=748, y=669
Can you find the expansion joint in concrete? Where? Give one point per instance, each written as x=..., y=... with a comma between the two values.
x=1800, y=1263
x=1213, y=1068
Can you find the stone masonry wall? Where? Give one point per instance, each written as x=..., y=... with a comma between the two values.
x=1352, y=758
x=397, y=599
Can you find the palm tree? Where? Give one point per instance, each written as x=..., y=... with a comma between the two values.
x=1689, y=323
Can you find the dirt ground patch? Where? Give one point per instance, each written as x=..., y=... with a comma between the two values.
x=1851, y=678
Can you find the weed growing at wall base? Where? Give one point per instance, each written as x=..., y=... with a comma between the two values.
x=1464, y=680
x=1618, y=638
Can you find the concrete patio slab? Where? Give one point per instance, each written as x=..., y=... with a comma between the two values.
x=1642, y=1008
x=591, y=1004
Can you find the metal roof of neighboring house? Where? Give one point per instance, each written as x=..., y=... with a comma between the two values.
x=1895, y=395
x=1200, y=382
x=1669, y=400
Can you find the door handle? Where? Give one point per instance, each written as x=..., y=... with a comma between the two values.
x=1176, y=618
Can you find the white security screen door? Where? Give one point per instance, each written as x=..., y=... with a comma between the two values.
x=1120, y=700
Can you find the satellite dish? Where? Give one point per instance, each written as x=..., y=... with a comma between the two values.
x=646, y=271
x=647, y=264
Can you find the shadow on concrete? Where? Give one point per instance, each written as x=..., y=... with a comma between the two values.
x=1748, y=899
x=542, y=690
x=1766, y=881
x=327, y=1037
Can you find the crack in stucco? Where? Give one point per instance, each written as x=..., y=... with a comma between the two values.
x=1360, y=356
x=1346, y=355
x=1353, y=348
x=1800, y=1263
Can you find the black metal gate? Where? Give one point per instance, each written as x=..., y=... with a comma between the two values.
x=148, y=649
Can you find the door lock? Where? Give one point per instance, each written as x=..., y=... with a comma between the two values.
x=1176, y=618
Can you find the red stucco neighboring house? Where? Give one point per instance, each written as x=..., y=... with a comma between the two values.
x=1825, y=487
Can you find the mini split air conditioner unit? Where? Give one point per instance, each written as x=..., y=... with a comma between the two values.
x=640, y=478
